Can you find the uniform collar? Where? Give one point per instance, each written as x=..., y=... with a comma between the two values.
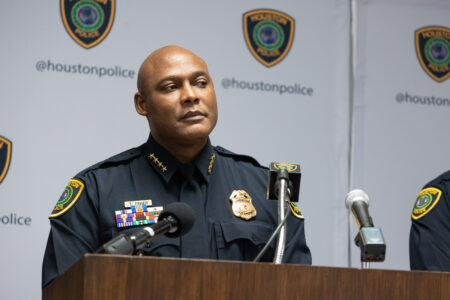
x=166, y=165
x=204, y=162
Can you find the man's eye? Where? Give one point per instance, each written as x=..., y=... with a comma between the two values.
x=202, y=83
x=170, y=87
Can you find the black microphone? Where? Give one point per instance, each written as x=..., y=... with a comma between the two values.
x=358, y=202
x=369, y=238
x=175, y=220
x=276, y=173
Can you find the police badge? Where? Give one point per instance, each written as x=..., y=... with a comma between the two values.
x=88, y=21
x=433, y=51
x=242, y=206
x=268, y=34
x=5, y=156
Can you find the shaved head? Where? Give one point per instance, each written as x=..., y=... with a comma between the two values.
x=156, y=60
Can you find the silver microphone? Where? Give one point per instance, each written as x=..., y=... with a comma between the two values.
x=369, y=238
x=358, y=202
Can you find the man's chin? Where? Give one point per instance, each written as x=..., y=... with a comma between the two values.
x=195, y=135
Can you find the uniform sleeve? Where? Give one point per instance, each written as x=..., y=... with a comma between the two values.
x=73, y=232
x=429, y=241
x=296, y=250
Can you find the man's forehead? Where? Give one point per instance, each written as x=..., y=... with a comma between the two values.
x=170, y=61
x=169, y=57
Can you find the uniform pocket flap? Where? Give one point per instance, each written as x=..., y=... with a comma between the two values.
x=256, y=232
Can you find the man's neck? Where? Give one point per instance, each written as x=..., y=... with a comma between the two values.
x=184, y=152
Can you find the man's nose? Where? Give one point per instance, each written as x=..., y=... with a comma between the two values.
x=188, y=93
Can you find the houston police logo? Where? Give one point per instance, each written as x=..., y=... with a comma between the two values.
x=433, y=51
x=88, y=21
x=426, y=200
x=68, y=198
x=268, y=34
x=5, y=156
x=287, y=167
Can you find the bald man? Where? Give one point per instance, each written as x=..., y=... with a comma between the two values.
x=233, y=218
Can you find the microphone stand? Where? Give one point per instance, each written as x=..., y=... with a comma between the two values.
x=283, y=198
x=371, y=242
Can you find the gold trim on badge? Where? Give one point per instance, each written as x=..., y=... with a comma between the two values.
x=242, y=206
x=273, y=16
x=4, y=142
x=429, y=67
x=101, y=36
x=68, y=198
x=295, y=210
x=426, y=200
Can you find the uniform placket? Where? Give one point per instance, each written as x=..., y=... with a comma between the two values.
x=194, y=243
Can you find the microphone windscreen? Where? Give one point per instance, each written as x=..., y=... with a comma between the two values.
x=356, y=195
x=183, y=213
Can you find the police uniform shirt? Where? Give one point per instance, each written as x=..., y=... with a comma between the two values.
x=150, y=172
x=429, y=241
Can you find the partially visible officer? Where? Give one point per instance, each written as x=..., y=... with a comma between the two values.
x=429, y=240
x=233, y=218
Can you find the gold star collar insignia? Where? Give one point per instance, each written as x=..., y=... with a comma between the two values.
x=157, y=162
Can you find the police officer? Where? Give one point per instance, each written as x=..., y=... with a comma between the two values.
x=429, y=240
x=227, y=191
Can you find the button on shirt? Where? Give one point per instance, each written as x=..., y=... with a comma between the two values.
x=151, y=172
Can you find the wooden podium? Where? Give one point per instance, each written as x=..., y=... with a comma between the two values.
x=97, y=277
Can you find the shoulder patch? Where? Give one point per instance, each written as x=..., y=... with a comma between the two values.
x=243, y=157
x=68, y=198
x=295, y=210
x=426, y=200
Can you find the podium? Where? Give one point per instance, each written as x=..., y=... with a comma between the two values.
x=98, y=277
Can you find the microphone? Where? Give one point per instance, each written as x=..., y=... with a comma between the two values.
x=293, y=176
x=358, y=202
x=175, y=220
x=369, y=238
x=283, y=185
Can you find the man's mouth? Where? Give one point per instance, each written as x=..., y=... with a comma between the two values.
x=193, y=115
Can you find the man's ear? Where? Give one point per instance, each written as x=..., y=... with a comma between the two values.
x=140, y=105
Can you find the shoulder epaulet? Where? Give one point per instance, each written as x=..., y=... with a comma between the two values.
x=113, y=160
x=242, y=157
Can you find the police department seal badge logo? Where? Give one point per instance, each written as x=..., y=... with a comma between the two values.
x=433, y=51
x=295, y=210
x=268, y=34
x=88, y=22
x=68, y=198
x=242, y=206
x=426, y=200
x=5, y=156
x=287, y=167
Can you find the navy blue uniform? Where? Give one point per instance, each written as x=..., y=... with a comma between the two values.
x=150, y=172
x=429, y=240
